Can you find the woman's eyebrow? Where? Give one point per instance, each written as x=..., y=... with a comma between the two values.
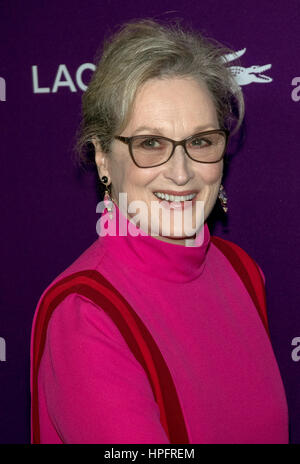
x=161, y=131
x=152, y=130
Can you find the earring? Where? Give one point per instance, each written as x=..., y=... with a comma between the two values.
x=223, y=198
x=107, y=198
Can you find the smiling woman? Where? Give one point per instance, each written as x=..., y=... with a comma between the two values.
x=178, y=106
x=126, y=341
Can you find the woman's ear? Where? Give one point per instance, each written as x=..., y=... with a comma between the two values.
x=101, y=159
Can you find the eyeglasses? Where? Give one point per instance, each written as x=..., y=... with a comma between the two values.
x=148, y=151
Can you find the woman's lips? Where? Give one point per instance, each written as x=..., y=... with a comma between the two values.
x=175, y=192
x=177, y=204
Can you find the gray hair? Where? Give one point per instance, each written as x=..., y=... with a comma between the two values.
x=142, y=50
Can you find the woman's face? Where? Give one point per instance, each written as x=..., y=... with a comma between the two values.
x=175, y=108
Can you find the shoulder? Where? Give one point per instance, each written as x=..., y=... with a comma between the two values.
x=61, y=293
x=236, y=254
x=77, y=318
x=75, y=328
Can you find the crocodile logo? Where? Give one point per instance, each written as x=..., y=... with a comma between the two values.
x=245, y=76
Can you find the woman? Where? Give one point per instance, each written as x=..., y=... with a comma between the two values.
x=151, y=335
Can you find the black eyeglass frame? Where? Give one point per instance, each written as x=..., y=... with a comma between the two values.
x=128, y=141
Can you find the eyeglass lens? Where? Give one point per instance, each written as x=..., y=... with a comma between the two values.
x=151, y=151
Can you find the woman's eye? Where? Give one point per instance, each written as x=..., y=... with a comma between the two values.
x=199, y=142
x=150, y=143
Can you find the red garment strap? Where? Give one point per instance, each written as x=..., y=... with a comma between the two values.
x=249, y=273
x=96, y=288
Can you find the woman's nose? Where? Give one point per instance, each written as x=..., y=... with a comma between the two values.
x=179, y=168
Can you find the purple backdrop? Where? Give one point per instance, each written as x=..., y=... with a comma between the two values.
x=49, y=206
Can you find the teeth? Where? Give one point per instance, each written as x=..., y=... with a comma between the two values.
x=165, y=196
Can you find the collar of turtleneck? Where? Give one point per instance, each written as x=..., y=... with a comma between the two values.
x=127, y=245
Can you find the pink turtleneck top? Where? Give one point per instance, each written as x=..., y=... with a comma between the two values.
x=93, y=390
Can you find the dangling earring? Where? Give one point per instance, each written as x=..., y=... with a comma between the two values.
x=107, y=198
x=223, y=198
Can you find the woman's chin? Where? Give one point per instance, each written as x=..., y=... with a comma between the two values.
x=173, y=237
